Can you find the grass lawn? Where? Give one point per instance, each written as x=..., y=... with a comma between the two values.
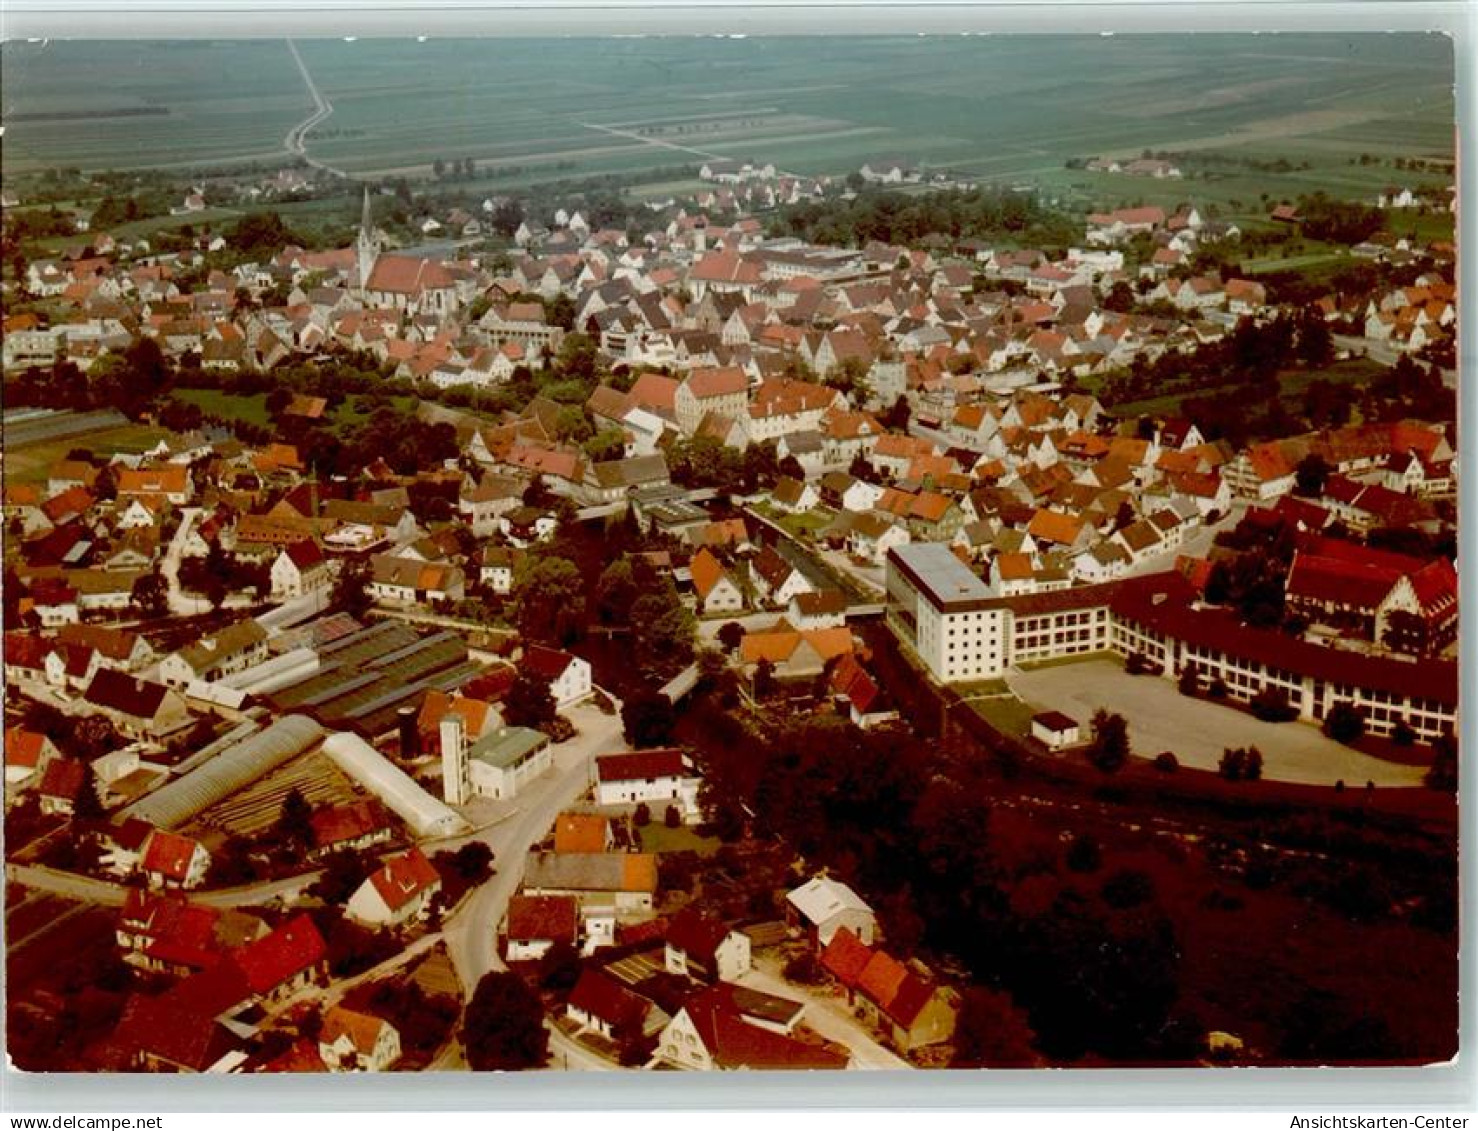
x=249, y=408
x=982, y=687
x=803, y=526
x=1006, y=713
x=1064, y=661
x=657, y=837
x=31, y=464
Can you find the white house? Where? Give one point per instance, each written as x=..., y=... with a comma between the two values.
x=357, y=1042
x=569, y=676
x=705, y=949
x=717, y=592
x=399, y=890
x=298, y=569
x=649, y=776
x=537, y=922
x=822, y=906
x=173, y=861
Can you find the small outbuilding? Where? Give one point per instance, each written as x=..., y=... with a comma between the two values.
x=1055, y=731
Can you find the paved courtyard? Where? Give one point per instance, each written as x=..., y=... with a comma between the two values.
x=1196, y=731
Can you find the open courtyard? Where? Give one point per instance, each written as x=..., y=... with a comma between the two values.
x=1197, y=731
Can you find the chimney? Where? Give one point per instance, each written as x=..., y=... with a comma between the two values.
x=410, y=737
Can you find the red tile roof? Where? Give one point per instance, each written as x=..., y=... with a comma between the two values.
x=602, y=997
x=168, y=854
x=535, y=917
x=846, y=957
x=696, y=934
x=401, y=878
x=294, y=947
x=641, y=765
x=734, y=1043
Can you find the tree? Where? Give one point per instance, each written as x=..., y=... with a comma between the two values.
x=731, y=635
x=88, y=805
x=1271, y=705
x=647, y=717
x=1110, y=746
x=351, y=587
x=529, y=702
x=550, y=598
x=993, y=1032
x=1442, y=774
x=642, y=817
x=662, y=632
x=1166, y=762
x=671, y=817
x=472, y=863
x=150, y=595
x=503, y=1028
x=1345, y=723
x=295, y=820
x=342, y=875
x=1311, y=474
x=1241, y=764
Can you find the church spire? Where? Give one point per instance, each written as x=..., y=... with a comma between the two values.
x=367, y=248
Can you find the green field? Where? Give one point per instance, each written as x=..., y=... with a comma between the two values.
x=1292, y=384
x=32, y=463
x=251, y=408
x=1001, y=108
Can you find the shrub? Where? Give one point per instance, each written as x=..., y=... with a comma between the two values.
x=1084, y=855
x=672, y=818
x=1189, y=682
x=1137, y=663
x=1241, y=764
x=1345, y=723
x=1167, y=763
x=643, y=815
x=1402, y=734
x=1218, y=689
x=1271, y=706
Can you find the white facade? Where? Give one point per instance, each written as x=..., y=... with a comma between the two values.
x=942, y=610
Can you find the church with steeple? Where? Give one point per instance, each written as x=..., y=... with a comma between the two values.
x=367, y=246
x=408, y=283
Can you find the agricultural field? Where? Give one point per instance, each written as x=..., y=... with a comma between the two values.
x=1006, y=110
x=32, y=463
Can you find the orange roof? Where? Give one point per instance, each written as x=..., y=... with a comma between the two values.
x=1052, y=526
x=721, y=381
x=707, y=572
x=579, y=832
x=830, y=642
x=777, y=647
x=639, y=871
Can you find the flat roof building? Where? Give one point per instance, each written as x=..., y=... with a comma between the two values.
x=942, y=610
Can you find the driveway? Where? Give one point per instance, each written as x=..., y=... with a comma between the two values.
x=1197, y=731
x=828, y=1015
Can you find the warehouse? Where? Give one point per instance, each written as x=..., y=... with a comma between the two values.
x=423, y=813
x=228, y=771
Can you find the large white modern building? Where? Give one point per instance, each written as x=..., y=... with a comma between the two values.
x=946, y=613
x=962, y=633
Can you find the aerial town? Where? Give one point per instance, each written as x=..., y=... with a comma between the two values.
x=797, y=622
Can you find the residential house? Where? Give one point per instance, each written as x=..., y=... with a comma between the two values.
x=399, y=890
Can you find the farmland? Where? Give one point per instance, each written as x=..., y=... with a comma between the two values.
x=1006, y=110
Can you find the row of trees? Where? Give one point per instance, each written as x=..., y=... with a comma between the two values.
x=891, y=218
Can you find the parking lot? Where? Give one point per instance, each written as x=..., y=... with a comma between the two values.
x=1196, y=731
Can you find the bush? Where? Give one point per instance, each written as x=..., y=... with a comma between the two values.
x=1167, y=763
x=1084, y=855
x=1218, y=689
x=1241, y=764
x=643, y=815
x=1189, y=682
x=672, y=818
x=1271, y=706
x=1345, y=723
x=1137, y=663
x=1402, y=734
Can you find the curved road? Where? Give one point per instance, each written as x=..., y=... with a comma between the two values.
x=296, y=141
x=471, y=932
x=108, y=894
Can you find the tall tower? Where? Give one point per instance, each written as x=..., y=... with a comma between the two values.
x=366, y=246
x=456, y=783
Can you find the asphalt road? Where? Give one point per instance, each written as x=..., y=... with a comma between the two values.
x=471, y=932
